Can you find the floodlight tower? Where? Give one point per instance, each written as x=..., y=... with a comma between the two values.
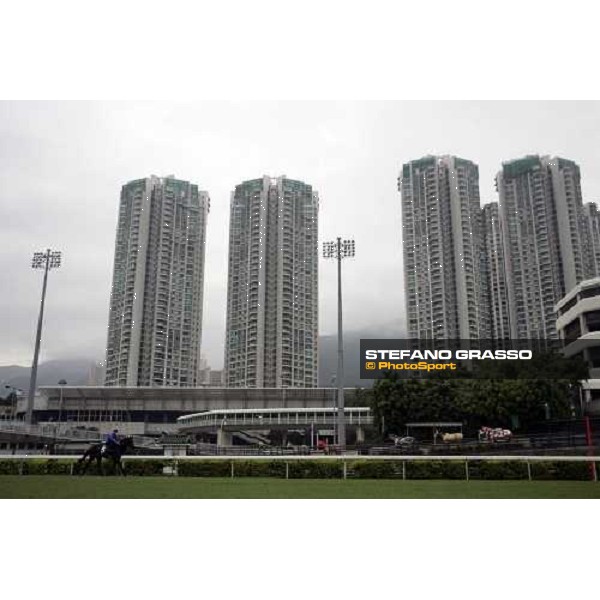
x=41, y=260
x=340, y=249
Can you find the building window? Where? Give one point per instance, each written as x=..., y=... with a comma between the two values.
x=572, y=331
x=592, y=320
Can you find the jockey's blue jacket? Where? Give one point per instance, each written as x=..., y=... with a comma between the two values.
x=111, y=439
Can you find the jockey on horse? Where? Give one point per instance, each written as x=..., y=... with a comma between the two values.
x=113, y=449
x=111, y=445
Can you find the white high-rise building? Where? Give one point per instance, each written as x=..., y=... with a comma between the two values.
x=443, y=250
x=272, y=294
x=544, y=240
x=155, y=318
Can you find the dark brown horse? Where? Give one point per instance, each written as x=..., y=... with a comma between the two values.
x=96, y=452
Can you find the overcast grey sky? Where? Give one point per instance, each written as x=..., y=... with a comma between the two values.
x=62, y=165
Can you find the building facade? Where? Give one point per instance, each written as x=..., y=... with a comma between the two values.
x=544, y=239
x=592, y=226
x=494, y=273
x=272, y=292
x=442, y=241
x=578, y=326
x=155, y=317
x=150, y=411
x=216, y=378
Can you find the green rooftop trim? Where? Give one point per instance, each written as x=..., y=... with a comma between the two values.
x=175, y=180
x=426, y=161
x=251, y=183
x=514, y=168
x=463, y=162
x=296, y=183
x=135, y=182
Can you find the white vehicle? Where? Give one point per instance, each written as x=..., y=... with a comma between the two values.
x=403, y=442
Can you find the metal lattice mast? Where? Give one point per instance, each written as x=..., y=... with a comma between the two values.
x=340, y=249
x=41, y=260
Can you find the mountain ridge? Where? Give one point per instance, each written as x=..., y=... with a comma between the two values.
x=80, y=371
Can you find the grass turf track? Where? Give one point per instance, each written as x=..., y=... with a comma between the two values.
x=57, y=486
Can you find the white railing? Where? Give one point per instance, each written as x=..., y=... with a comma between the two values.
x=170, y=463
x=343, y=458
x=212, y=420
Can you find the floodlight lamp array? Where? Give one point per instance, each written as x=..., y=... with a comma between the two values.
x=55, y=259
x=40, y=258
x=329, y=249
x=348, y=249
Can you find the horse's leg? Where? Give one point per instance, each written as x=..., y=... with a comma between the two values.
x=80, y=464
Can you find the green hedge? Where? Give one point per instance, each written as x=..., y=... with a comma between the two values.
x=498, y=470
x=320, y=469
x=315, y=469
x=36, y=466
x=435, y=469
x=375, y=469
x=259, y=468
x=204, y=468
x=561, y=470
x=150, y=466
x=9, y=467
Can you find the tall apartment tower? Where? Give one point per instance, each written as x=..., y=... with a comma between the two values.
x=592, y=226
x=272, y=309
x=155, y=318
x=443, y=250
x=494, y=271
x=544, y=240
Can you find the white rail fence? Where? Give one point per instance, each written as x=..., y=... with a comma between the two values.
x=171, y=463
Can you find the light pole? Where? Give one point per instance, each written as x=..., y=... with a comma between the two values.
x=333, y=387
x=62, y=382
x=41, y=260
x=340, y=249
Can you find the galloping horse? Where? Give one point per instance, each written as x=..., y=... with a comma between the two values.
x=96, y=452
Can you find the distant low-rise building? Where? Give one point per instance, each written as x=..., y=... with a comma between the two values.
x=216, y=379
x=152, y=410
x=578, y=325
